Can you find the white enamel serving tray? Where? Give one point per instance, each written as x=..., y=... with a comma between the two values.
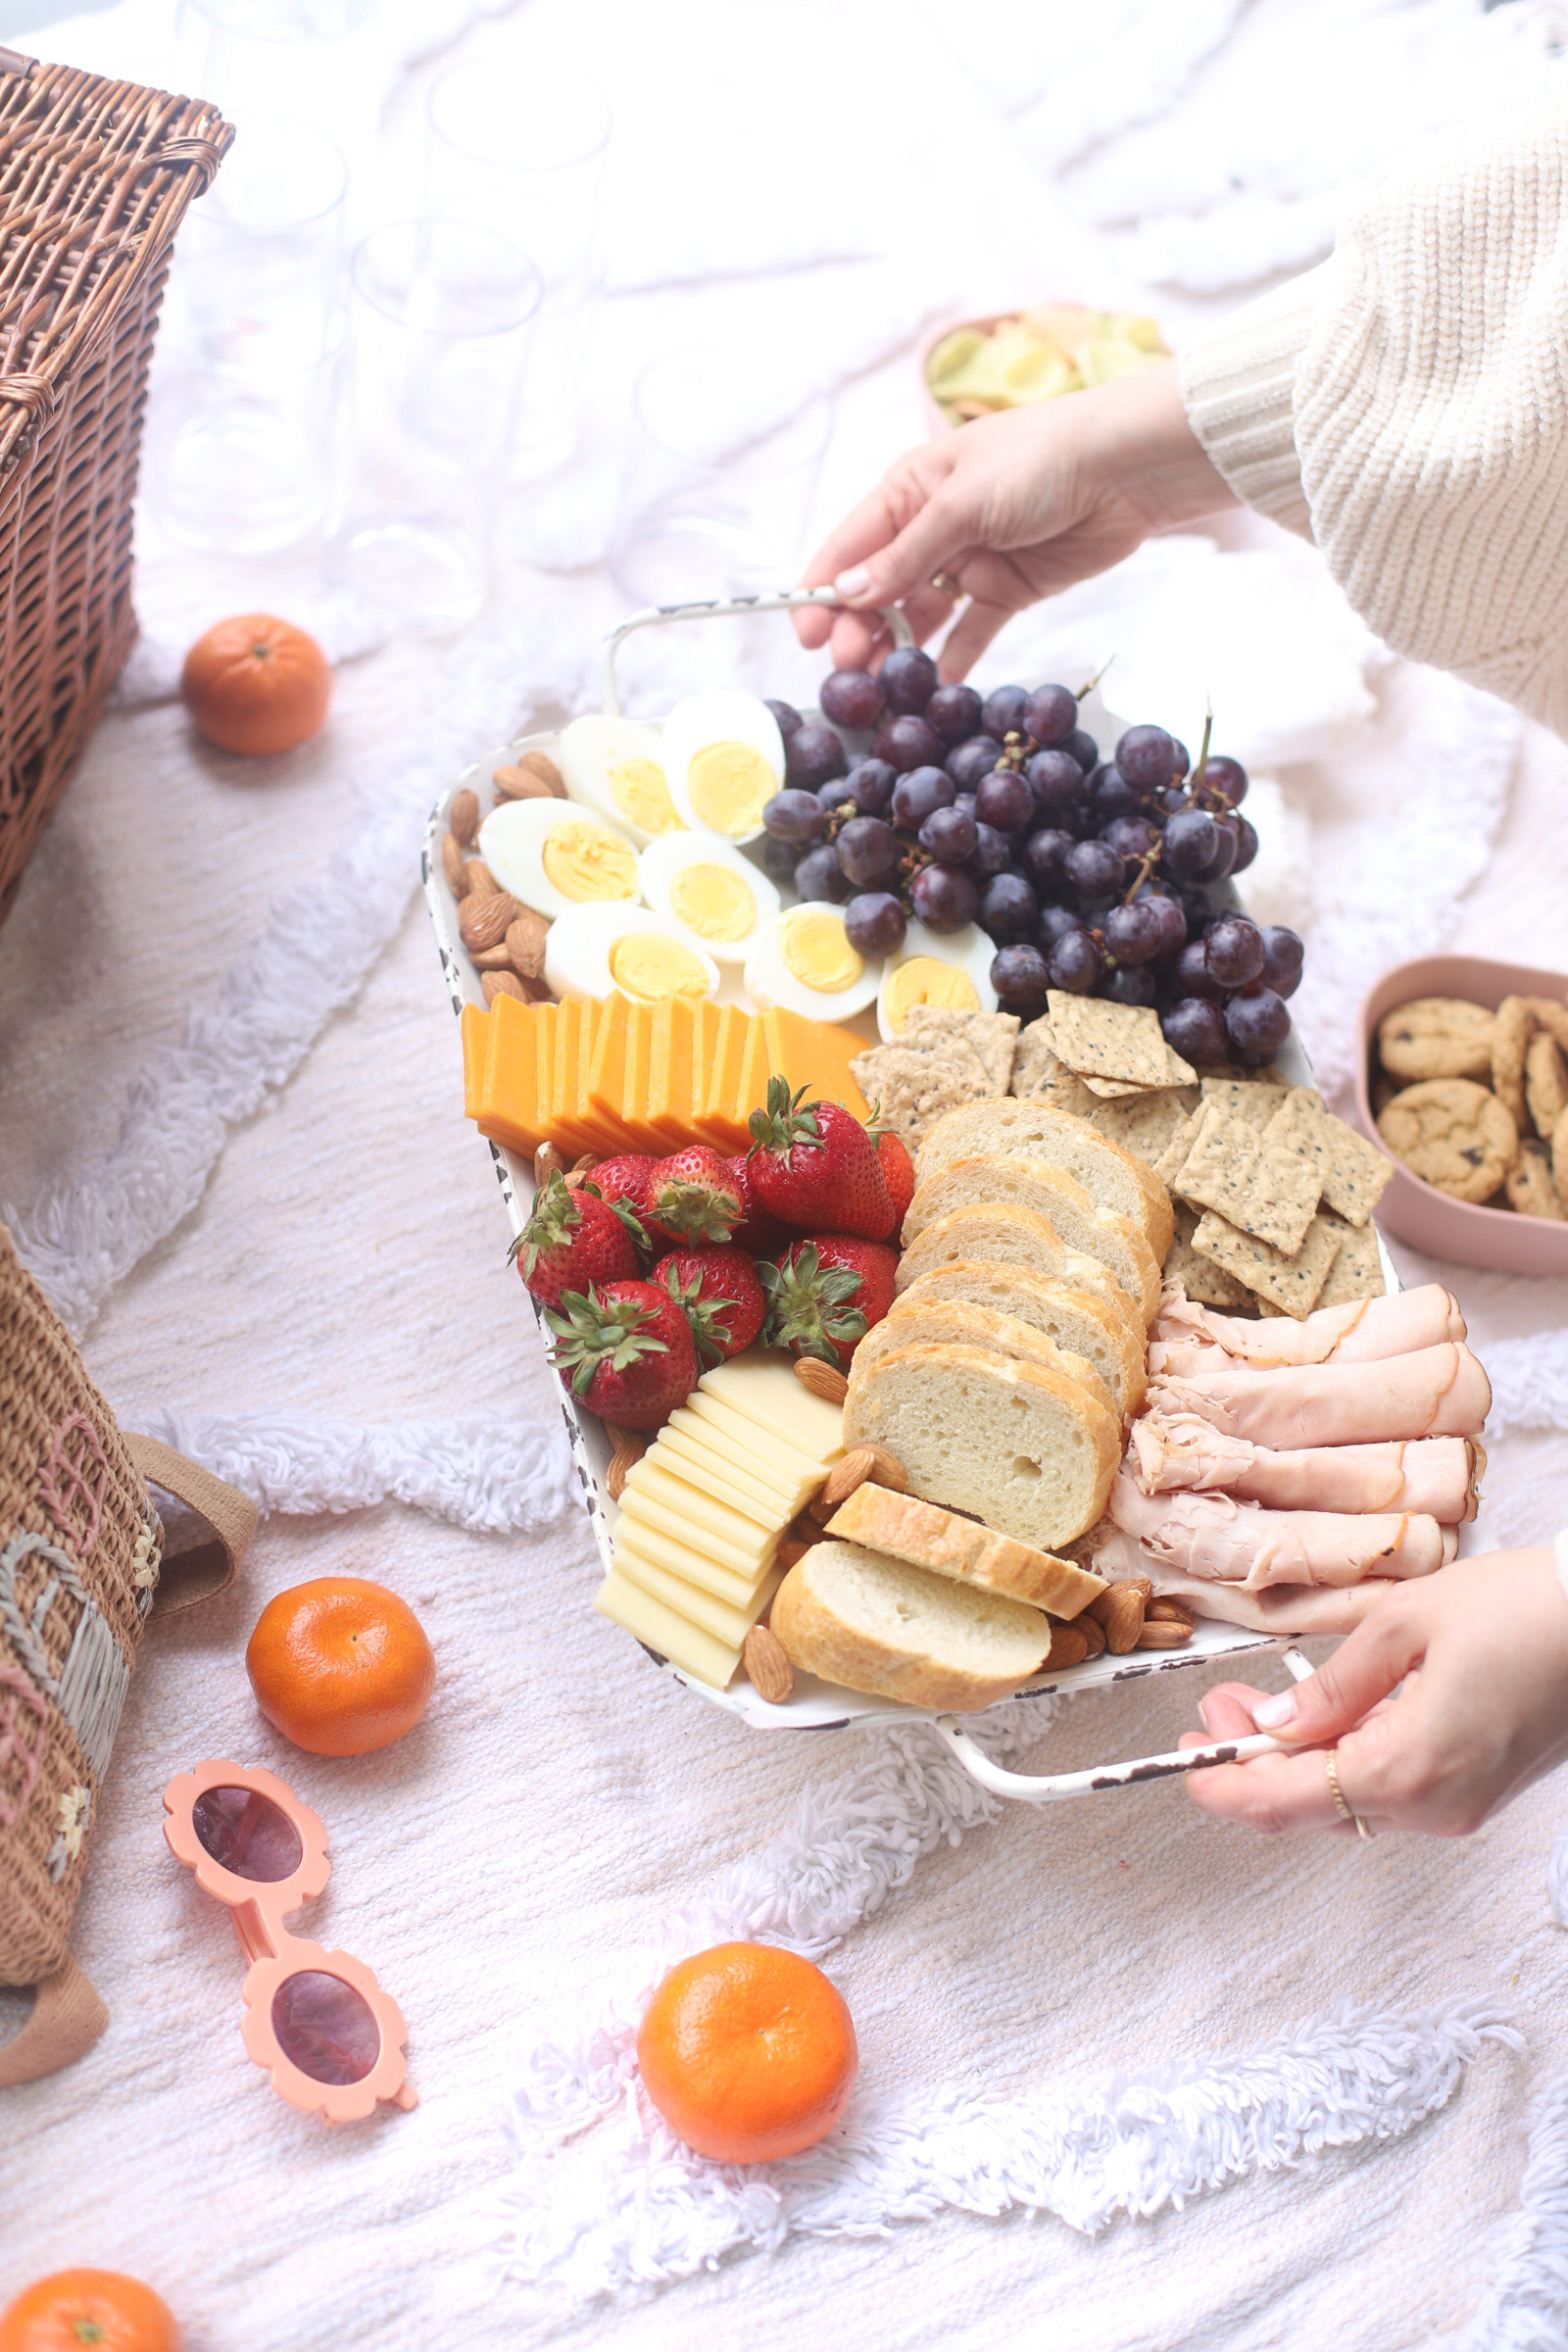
x=816, y=1705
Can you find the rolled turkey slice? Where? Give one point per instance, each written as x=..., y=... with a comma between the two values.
x=1440, y=1476
x=1186, y=1338
x=1274, y=1609
x=1436, y=1393
x=1220, y=1541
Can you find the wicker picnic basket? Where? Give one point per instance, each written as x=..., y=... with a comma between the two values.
x=95, y=178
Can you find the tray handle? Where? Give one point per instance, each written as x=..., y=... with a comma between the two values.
x=721, y=608
x=1045, y=1788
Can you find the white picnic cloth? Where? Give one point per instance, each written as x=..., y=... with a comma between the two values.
x=230, y=1138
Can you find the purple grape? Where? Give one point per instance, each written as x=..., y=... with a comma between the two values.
x=1172, y=799
x=1007, y=711
x=1228, y=777
x=874, y=923
x=868, y=851
x=1190, y=975
x=1191, y=841
x=907, y=742
x=954, y=713
x=812, y=755
x=1172, y=927
x=1076, y=963
x=1051, y=714
x=1197, y=1029
x=1198, y=907
x=1283, y=957
x=1111, y=794
x=972, y=760
x=992, y=854
x=839, y=793
x=819, y=875
x=1184, y=757
x=1224, y=857
x=1054, y=923
x=1129, y=984
x=1233, y=951
x=1057, y=782
x=851, y=698
x=794, y=815
x=950, y=835
x=1045, y=857
x=943, y=898
x=873, y=782
x=908, y=680
x=1020, y=979
x=1003, y=799
x=1008, y=909
x=1246, y=845
x=917, y=794
x=779, y=857
x=789, y=718
x=1134, y=933
x=1146, y=757
x=1083, y=748
x=1131, y=837
x=1094, y=869
x=1258, y=1023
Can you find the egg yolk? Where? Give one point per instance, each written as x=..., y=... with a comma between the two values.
x=639, y=791
x=817, y=949
x=648, y=968
x=923, y=980
x=712, y=901
x=585, y=861
x=730, y=785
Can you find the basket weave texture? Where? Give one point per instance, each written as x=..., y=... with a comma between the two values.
x=95, y=178
x=80, y=1546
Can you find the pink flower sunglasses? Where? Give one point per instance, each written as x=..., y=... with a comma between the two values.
x=331, y=2038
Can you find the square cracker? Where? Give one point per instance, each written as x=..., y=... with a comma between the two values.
x=915, y=1089
x=1116, y=1090
x=1357, y=1174
x=1206, y=1284
x=1038, y=1075
x=1357, y=1269
x=1268, y=1185
x=991, y=1034
x=1246, y=1098
x=1102, y=1040
x=1173, y=1159
x=1292, y=1282
x=1143, y=1125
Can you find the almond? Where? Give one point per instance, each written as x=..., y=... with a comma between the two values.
x=535, y=777
x=790, y=1550
x=1102, y=1601
x=483, y=919
x=823, y=1379
x=493, y=959
x=480, y=878
x=452, y=865
x=766, y=1661
x=500, y=984
x=1069, y=1646
x=1163, y=1611
x=853, y=1471
x=1163, y=1635
x=547, y=1163
x=803, y=1529
x=463, y=816
x=1092, y=1631
x=631, y=1445
x=525, y=944
x=1120, y=1610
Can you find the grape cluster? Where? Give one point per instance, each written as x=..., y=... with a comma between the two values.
x=1088, y=874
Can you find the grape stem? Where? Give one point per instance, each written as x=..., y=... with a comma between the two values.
x=1085, y=691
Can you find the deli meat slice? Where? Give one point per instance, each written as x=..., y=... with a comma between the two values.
x=1186, y=1338
x=1436, y=1393
x=1270, y=1609
x=1437, y=1476
x=1213, y=1538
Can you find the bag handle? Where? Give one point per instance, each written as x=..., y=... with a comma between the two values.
x=193, y=1576
x=67, y=2019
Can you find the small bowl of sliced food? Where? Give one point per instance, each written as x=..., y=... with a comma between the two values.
x=1463, y=1082
x=1009, y=359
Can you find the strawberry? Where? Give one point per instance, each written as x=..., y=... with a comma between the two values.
x=718, y=1289
x=571, y=1239
x=758, y=1233
x=816, y=1166
x=627, y=1350
x=623, y=1178
x=693, y=1196
x=825, y=1293
x=898, y=1168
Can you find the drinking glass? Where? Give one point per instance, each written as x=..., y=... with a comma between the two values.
x=441, y=317
x=718, y=482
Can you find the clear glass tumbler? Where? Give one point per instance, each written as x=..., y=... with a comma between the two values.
x=441, y=317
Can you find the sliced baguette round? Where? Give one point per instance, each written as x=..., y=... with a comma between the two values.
x=872, y=1624
x=1035, y=1184
x=1006, y=1235
x=1020, y=1446
x=927, y=1537
x=1111, y=1176
x=1079, y=1320
x=913, y=1322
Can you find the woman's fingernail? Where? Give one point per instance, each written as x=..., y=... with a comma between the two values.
x=1270, y=1713
x=1202, y=1715
x=853, y=583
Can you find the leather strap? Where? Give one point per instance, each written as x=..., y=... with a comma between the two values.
x=193, y=1576
x=67, y=2019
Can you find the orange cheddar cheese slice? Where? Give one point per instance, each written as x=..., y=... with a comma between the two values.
x=707, y=1018
x=514, y=1115
x=669, y=1070
x=606, y=1065
x=634, y=1084
x=816, y=1054
x=751, y=1092
x=724, y=1075
x=475, y=1028
x=604, y=1134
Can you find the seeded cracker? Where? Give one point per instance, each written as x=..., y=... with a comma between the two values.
x=991, y=1034
x=1171, y=1161
x=915, y=1089
x=1143, y=1126
x=1245, y=1098
x=1206, y=1284
x=1293, y=1283
x=1039, y=1076
x=1355, y=1175
x=1114, y=1089
x=1102, y=1040
x=1357, y=1269
x=1269, y=1191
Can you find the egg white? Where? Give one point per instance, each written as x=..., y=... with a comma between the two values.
x=721, y=716
x=969, y=950
x=512, y=843
x=590, y=748
x=663, y=862
x=578, y=947
x=769, y=979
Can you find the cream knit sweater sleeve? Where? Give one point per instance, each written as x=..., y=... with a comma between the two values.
x=1406, y=406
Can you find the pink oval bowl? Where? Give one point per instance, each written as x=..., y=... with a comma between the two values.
x=1416, y=1211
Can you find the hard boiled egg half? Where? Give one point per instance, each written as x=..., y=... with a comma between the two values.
x=718, y=898
x=592, y=949
x=724, y=760
x=951, y=968
x=804, y=961
x=554, y=856
x=616, y=766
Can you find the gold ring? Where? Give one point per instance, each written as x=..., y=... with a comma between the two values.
x=1332, y=1761
x=946, y=585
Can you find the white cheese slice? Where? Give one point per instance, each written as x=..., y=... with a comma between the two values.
x=764, y=1388
x=775, y=1469
x=683, y=1458
x=727, y=1516
x=748, y=1558
x=688, y=1647
x=739, y=1431
x=721, y=1618
x=668, y=1551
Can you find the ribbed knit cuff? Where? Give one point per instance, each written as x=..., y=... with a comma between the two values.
x=1238, y=386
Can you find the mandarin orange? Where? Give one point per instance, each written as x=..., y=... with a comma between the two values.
x=747, y=2052
x=340, y=1666
x=71, y=2308
x=256, y=684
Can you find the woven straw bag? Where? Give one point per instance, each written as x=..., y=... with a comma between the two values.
x=80, y=1571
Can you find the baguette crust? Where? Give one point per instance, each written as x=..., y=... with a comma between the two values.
x=910, y=1321
x=1107, y=1332
x=1034, y=1184
x=820, y=1635
x=1005, y=1234
x=1113, y=1176
x=927, y=1537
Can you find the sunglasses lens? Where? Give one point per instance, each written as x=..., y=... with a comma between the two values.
x=247, y=1834
x=326, y=2028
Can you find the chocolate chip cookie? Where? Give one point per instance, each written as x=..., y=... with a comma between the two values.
x=1528, y=1184
x=1435, y=1037
x=1546, y=1084
x=1513, y=1025
x=1453, y=1134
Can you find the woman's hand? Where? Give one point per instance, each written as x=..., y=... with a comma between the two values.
x=1482, y=1650
x=1013, y=506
